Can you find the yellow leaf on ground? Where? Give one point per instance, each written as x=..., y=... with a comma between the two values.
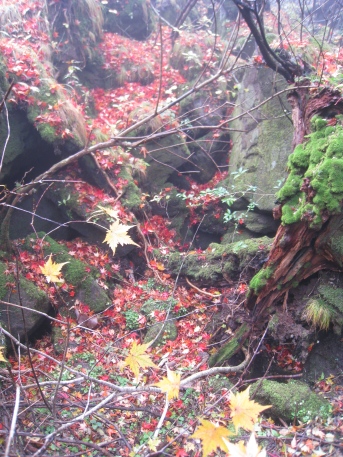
x=138, y=358
x=170, y=384
x=153, y=443
x=244, y=412
x=211, y=435
x=52, y=271
x=109, y=211
x=240, y=450
x=2, y=354
x=117, y=234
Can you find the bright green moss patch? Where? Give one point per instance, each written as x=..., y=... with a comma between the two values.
x=291, y=187
x=260, y=279
x=317, y=123
x=315, y=183
x=300, y=157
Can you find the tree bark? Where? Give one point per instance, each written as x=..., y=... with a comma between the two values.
x=299, y=251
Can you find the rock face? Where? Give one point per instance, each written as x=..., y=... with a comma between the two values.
x=266, y=143
x=23, y=298
x=132, y=18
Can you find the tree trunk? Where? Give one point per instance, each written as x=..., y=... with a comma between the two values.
x=299, y=251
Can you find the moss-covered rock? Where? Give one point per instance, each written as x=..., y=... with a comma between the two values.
x=17, y=320
x=162, y=331
x=220, y=261
x=163, y=157
x=76, y=273
x=132, y=195
x=291, y=401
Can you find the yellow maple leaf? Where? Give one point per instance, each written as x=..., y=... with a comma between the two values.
x=153, y=443
x=211, y=435
x=2, y=354
x=109, y=211
x=244, y=412
x=52, y=270
x=117, y=234
x=240, y=450
x=138, y=358
x=170, y=384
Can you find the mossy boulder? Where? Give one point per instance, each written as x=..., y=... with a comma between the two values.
x=291, y=401
x=21, y=319
x=162, y=331
x=221, y=261
x=75, y=272
x=24, y=148
x=164, y=156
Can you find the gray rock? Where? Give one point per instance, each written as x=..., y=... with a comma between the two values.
x=267, y=142
x=16, y=320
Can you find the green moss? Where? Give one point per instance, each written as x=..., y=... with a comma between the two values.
x=75, y=272
x=158, y=305
x=231, y=348
x=33, y=292
x=168, y=331
x=291, y=212
x=260, y=279
x=329, y=130
x=333, y=296
x=335, y=148
x=317, y=123
x=131, y=198
x=291, y=401
x=291, y=187
x=300, y=158
x=227, y=259
x=315, y=182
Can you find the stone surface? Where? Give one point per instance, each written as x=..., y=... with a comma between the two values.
x=325, y=359
x=133, y=18
x=19, y=316
x=266, y=143
x=291, y=401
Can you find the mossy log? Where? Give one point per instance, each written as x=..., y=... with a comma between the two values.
x=232, y=347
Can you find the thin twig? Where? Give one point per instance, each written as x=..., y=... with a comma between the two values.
x=14, y=421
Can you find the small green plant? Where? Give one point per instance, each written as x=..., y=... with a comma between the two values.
x=131, y=318
x=64, y=201
x=226, y=196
